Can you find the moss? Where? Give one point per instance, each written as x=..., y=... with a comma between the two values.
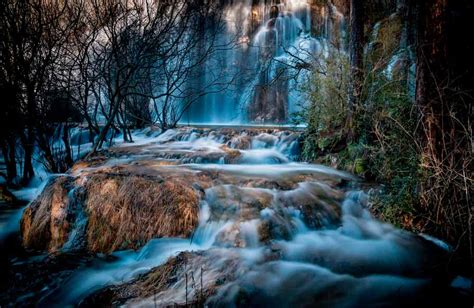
x=384, y=43
x=398, y=203
x=359, y=166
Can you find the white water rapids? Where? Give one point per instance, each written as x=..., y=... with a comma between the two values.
x=336, y=254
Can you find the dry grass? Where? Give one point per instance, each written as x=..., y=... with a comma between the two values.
x=447, y=186
x=158, y=279
x=45, y=224
x=124, y=212
x=185, y=280
x=94, y=161
x=127, y=211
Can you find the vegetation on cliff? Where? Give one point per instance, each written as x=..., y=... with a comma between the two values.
x=409, y=126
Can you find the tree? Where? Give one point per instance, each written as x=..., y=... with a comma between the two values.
x=356, y=61
x=444, y=94
x=34, y=35
x=178, y=72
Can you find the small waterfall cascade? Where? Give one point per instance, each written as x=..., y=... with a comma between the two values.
x=279, y=231
x=271, y=45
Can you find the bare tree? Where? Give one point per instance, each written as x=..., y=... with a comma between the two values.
x=116, y=65
x=186, y=59
x=34, y=35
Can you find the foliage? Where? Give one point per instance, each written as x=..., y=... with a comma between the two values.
x=384, y=149
x=421, y=152
x=325, y=113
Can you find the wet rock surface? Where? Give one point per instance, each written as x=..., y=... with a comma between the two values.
x=126, y=196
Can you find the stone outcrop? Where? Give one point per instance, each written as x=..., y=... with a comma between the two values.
x=105, y=212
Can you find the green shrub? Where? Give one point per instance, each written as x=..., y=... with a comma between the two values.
x=325, y=111
x=384, y=149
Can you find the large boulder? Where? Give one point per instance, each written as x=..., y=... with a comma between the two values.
x=126, y=212
x=105, y=212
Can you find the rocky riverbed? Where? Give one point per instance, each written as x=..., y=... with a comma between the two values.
x=217, y=217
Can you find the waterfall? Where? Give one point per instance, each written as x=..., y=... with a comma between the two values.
x=267, y=44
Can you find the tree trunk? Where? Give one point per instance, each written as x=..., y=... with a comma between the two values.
x=431, y=73
x=8, y=149
x=28, y=146
x=356, y=62
x=67, y=146
x=28, y=141
x=45, y=147
x=103, y=133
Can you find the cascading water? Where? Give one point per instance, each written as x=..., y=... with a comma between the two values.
x=271, y=41
x=271, y=231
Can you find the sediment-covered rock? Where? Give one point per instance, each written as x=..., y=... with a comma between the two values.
x=125, y=196
x=46, y=222
x=104, y=212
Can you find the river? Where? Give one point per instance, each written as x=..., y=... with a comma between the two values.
x=270, y=231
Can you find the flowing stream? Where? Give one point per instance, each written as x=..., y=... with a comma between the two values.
x=272, y=231
x=281, y=232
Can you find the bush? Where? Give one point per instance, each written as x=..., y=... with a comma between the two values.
x=325, y=112
x=384, y=149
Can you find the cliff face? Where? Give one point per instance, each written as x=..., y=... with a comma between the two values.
x=288, y=36
x=320, y=29
x=327, y=17
x=275, y=46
